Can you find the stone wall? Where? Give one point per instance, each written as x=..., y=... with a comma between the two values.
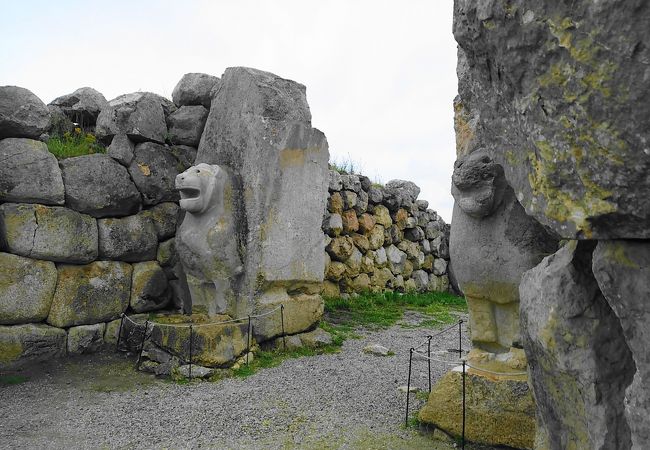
x=87, y=238
x=381, y=238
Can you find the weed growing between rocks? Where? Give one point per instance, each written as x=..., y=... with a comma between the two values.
x=75, y=143
x=8, y=380
x=273, y=358
x=385, y=309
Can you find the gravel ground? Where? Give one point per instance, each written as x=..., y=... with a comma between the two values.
x=343, y=400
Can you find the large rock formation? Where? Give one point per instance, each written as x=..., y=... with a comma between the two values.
x=557, y=93
x=22, y=114
x=560, y=94
x=259, y=127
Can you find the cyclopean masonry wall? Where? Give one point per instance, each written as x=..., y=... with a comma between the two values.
x=557, y=94
x=382, y=238
x=87, y=238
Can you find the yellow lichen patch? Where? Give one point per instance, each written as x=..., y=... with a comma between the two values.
x=497, y=412
x=146, y=171
x=292, y=157
x=464, y=131
x=495, y=291
x=10, y=351
x=615, y=251
x=560, y=204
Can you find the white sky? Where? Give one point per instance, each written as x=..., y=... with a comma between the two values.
x=380, y=75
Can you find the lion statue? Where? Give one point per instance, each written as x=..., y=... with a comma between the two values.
x=207, y=241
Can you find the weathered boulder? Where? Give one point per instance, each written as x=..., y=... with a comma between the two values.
x=149, y=289
x=498, y=412
x=121, y=149
x=376, y=237
x=131, y=238
x=351, y=182
x=166, y=254
x=86, y=338
x=580, y=364
x=335, y=183
x=375, y=195
x=350, y=221
x=282, y=163
x=26, y=289
x=622, y=270
x=398, y=193
x=29, y=173
x=396, y=259
x=22, y=114
x=212, y=345
x=82, y=106
x=186, y=125
x=335, y=203
x=52, y=233
x=333, y=224
x=382, y=216
x=164, y=217
x=24, y=344
x=97, y=292
x=185, y=156
x=577, y=73
x=154, y=169
x=99, y=186
x=139, y=115
x=300, y=313
x=195, y=89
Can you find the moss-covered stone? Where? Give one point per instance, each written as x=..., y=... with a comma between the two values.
x=498, y=412
x=93, y=293
x=51, y=233
x=26, y=289
x=24, y=344
x=212, y=344
x=85, y=338
x=301, y=312
x=149, y=287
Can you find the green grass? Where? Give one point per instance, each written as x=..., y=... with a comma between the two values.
x=385, y=309
x=8, y=380
x=345, y=166
x=273, y=358
x=77, y=143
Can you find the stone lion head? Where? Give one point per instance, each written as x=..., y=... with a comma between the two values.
x=198, y=187
x=478, y=184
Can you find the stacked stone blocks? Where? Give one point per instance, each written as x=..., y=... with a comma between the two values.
x=381, y=238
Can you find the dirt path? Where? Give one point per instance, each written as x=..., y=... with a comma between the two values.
x=344, y=400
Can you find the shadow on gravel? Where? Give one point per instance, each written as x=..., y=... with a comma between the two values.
x=100, y=372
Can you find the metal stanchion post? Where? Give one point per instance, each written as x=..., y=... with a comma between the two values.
x=284, y=338
x=191, y=349
x=119, y=334
x=408, y=388
x=429, y=359
x=460, y=338
x=248, y=341
x=144, y=336
x=463, y=435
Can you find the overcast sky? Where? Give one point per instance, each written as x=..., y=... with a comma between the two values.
x=380, y=75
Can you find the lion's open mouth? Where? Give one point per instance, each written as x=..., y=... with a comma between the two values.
x=189, y=193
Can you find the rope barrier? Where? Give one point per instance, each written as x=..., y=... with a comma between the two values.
x=194, y=325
